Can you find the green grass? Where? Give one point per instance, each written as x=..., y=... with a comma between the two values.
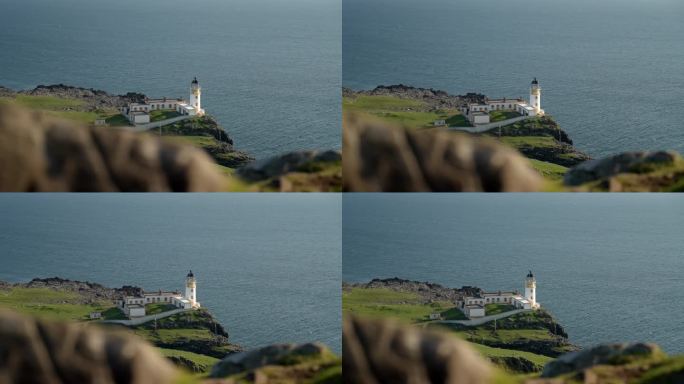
x=493, y=309
x=549, y=171
x=152, y=309
x=158, y=115
x=458, y=121
x=50, y=303
x=501, y=115
x=117, y=120
x=404, y=306
x=65, y=108
x=169, y=336
x=500, y=352
x=529, y=141
x=405, y=112
x=202, y=360
x=113, y=313
x=47, y=102
x=199, y=141
x=478, y=335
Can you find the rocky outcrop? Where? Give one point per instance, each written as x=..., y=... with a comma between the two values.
x=516, y=364
x=299, y=171
x=628, y=162
x=220, y=149
x=93, y=99
x=378, y=157
x=41, y=153
x=427, y=291
x=188, y=365
x=34, y=351
x=86, y=291
x=278, y=354
x=435, y=99
x=6, y=92
x=291, y=162
x=385, y=351
x=611, y=354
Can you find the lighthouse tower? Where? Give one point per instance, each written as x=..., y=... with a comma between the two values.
x=531, y=290
x=191, y=289
x=196, y=96
x=535, y=97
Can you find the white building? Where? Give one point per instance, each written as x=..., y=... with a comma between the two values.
x=139, y=113
x=134, y=306
x=478, y=113
x=475, y=306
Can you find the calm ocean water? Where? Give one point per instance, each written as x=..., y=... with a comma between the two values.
x=268, y=266
x=608, y=267
x=270, y=69
x=611, y=71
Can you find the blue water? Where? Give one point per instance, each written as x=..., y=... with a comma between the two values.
x=267, y=266
x=609, y=267
x=611, y=70
x=270, y=69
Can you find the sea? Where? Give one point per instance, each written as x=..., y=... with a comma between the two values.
x=270, y=70
x=267, y=265
x=608, y=267
x=610, y=70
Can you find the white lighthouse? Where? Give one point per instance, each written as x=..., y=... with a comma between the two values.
x=531, y=290
x=196, y=96
x=535, y=97
x=191, y=289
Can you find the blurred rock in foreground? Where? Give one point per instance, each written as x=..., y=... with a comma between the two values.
x=379, y=157
x=385, y=351
x=42, y=153
x=35, y=351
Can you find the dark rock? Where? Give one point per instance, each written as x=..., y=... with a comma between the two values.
x=378, y=157
x=94, y=99
x=516, y=364
x=291, y=162
x=41, y=153
x=6, y=92
x=628, y=162
x=427, y=291
x=278, y=354
x=599, y=355
x=386, y=351
x=187, y=364
x=35, y=351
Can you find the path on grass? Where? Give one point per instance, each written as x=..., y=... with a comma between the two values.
x=487, y=127
x=145, y=319
x=482, y=320
x=160, y=123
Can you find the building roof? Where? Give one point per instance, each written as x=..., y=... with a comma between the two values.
x=535, y=82
x=190, y=274
x=135, y=306
x=161, y=293
x=164, y=100
x=474, y=306
x=499, y=293
x=194, y=81
x=530, y=274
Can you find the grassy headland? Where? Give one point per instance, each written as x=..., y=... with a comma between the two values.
x=195, y=335
x=521, y=343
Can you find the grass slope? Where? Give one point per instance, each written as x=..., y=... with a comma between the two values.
x=405, y=306
x=405, y=112
x=54, y=305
